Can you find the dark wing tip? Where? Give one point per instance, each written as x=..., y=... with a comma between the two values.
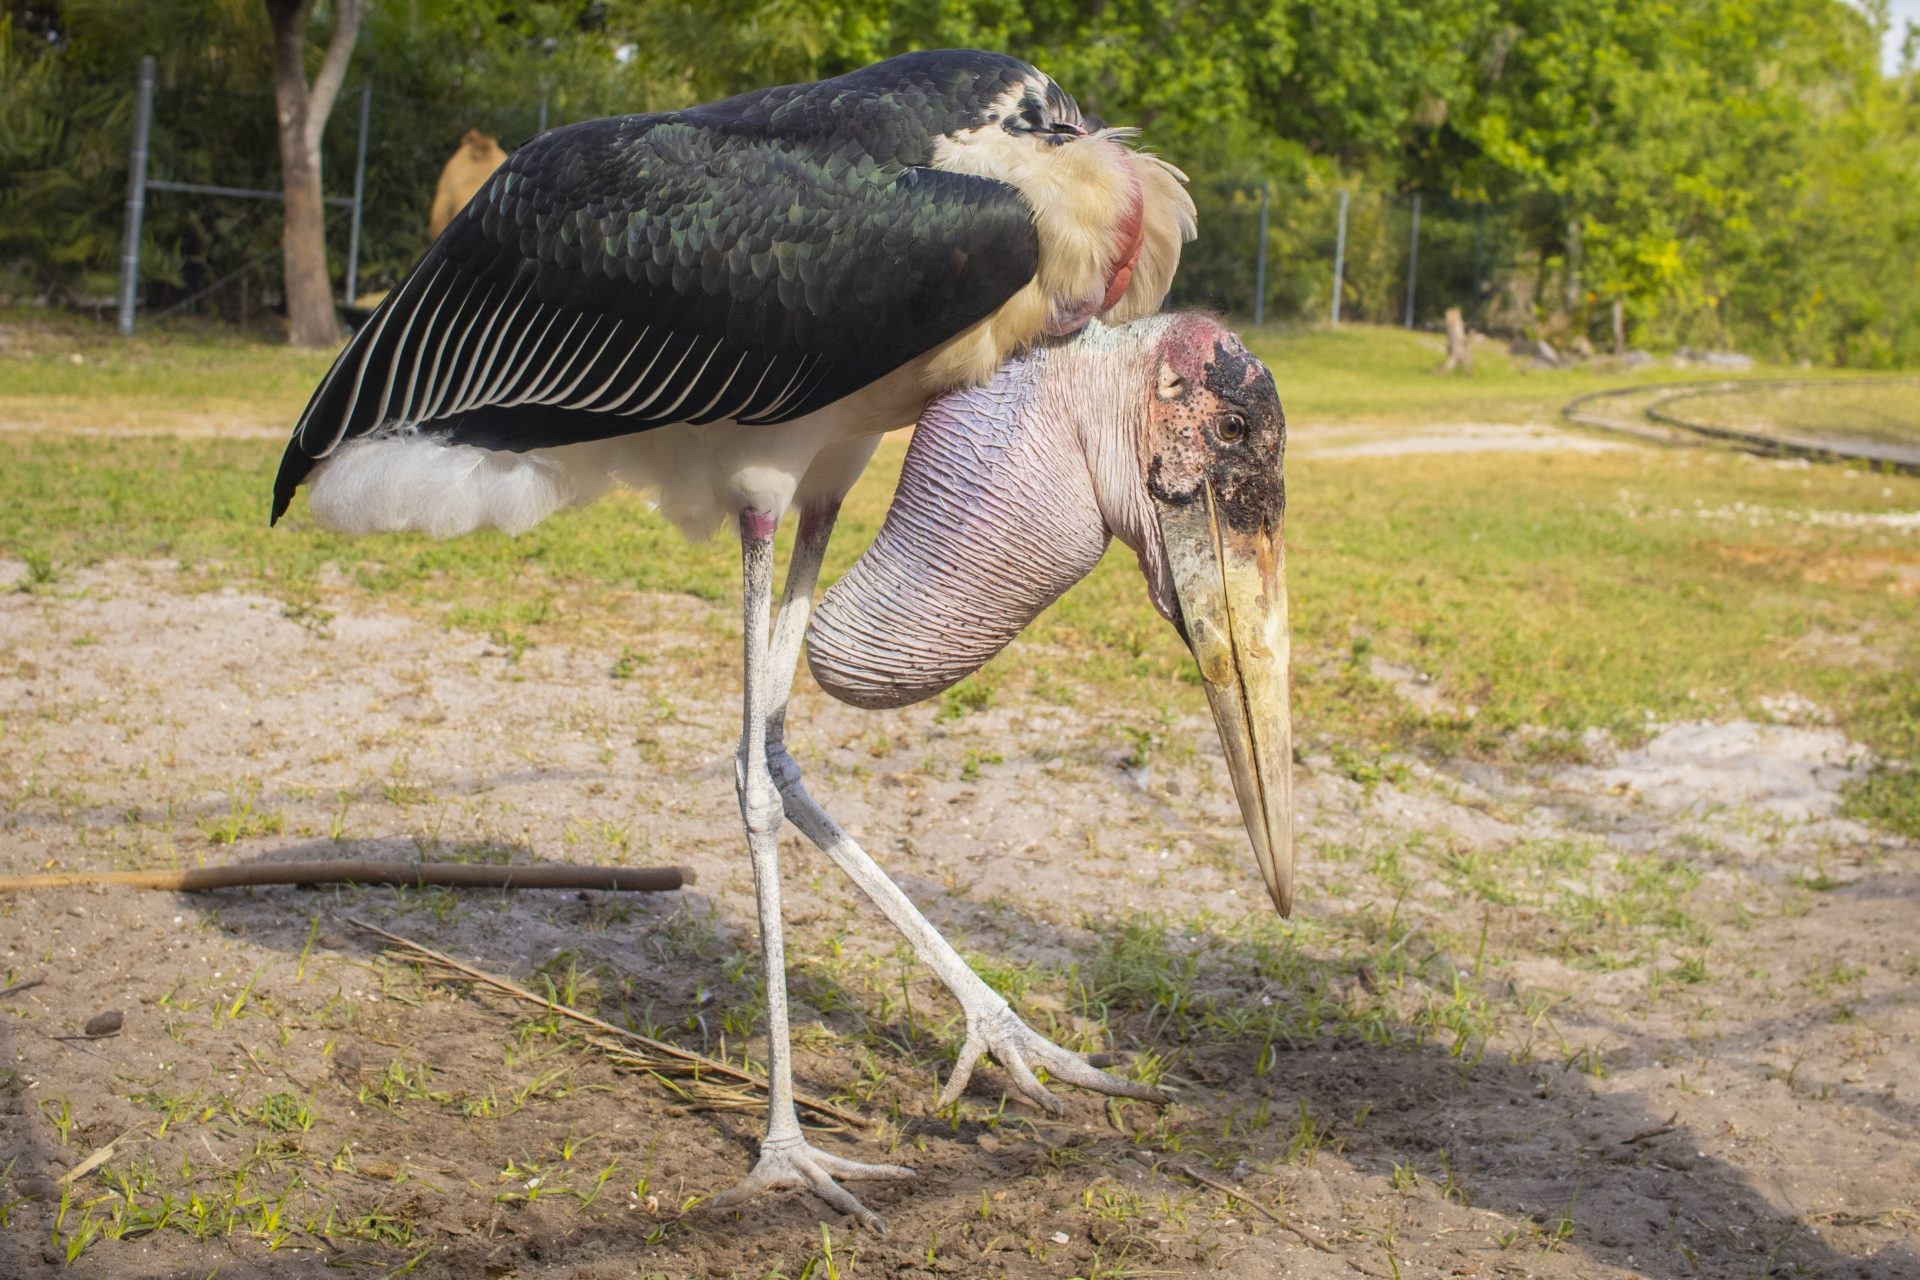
x=294, y=465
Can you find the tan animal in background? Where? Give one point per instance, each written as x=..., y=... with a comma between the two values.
x=479, y=155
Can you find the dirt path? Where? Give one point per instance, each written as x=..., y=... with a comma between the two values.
x=1651, y=1016
x=1349, y=441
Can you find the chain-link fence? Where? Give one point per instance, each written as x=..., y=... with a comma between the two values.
x=209, y=241
x=1402, y=258
x=1387, y=257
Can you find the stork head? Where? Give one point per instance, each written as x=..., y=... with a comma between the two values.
x=1166, y=433
x=1211, y=455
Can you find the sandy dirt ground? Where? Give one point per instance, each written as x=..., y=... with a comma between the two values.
x=1356, y=441
x=1753, y=1115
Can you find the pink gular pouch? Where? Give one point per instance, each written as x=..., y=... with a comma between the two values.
x=1165, y=433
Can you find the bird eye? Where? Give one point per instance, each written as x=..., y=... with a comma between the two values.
x=1232, y=428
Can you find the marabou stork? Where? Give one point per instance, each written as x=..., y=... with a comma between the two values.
x=727, y=306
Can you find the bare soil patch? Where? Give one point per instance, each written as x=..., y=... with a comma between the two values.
x=194, y=426
x=1350, y=441
x=1686, y=1036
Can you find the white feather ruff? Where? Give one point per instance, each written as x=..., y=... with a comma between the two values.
x=420, y=485
x=699, y=476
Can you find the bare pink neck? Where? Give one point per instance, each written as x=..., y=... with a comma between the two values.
x=996, y=515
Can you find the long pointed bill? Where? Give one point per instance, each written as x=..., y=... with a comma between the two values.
x=1232, y=587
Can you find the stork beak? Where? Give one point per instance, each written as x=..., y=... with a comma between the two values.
x=1232, y=588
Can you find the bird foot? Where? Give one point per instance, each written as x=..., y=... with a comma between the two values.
x=1001, y=1033
x=791, y=1162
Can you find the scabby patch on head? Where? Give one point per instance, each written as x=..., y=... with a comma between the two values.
x=1236, y=374
x=1217, y=427
x=1249, y=487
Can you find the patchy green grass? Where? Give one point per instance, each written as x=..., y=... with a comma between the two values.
x=1376, y=374
x=1889, y=798
x=1544, y=594
x=60, y=371
x=1566, y=591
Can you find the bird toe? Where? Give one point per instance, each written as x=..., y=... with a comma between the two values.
x=1020, y=1050
x=796, y=1164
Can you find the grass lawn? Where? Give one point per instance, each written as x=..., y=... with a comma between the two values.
x=1544, y=594
x=1387, y=376
x=62, y=372
x=1877, y=413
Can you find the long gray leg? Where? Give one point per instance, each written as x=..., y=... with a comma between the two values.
x=790, y=628
x=992, y=1025
x=786, y=1158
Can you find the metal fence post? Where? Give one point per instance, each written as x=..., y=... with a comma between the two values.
x=1479, y=253
x=1413, y=258
x=542, y=128
x=1572, y=282
x=359, y=194
x=1260, y=264
x=1340, y=256
x=136, y=197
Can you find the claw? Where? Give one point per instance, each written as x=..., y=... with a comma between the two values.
x=1015, y=1045
x=792, y=1162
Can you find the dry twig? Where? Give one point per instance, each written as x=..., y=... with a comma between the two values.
x=407, y=874
x=680, y=1071
x=1226, y=1189
x=1895, y=1217
x=1234, y=1193
x=1647, y=1135
x=92, y=1162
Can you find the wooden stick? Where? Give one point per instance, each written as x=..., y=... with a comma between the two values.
x=1648, y=1135
x=1234, y=1193
x=463, y=875
x=659, y=1047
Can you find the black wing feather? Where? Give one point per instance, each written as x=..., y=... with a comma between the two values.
x=755, y=259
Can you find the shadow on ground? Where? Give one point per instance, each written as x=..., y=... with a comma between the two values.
x=433, y=1141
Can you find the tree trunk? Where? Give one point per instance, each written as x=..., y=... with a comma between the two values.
x=303, y=247
x=301, y=111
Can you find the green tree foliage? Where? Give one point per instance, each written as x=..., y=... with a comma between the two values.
x=67, y=90
x=1736, y=172
x=1733, y=170
x=68, y=80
